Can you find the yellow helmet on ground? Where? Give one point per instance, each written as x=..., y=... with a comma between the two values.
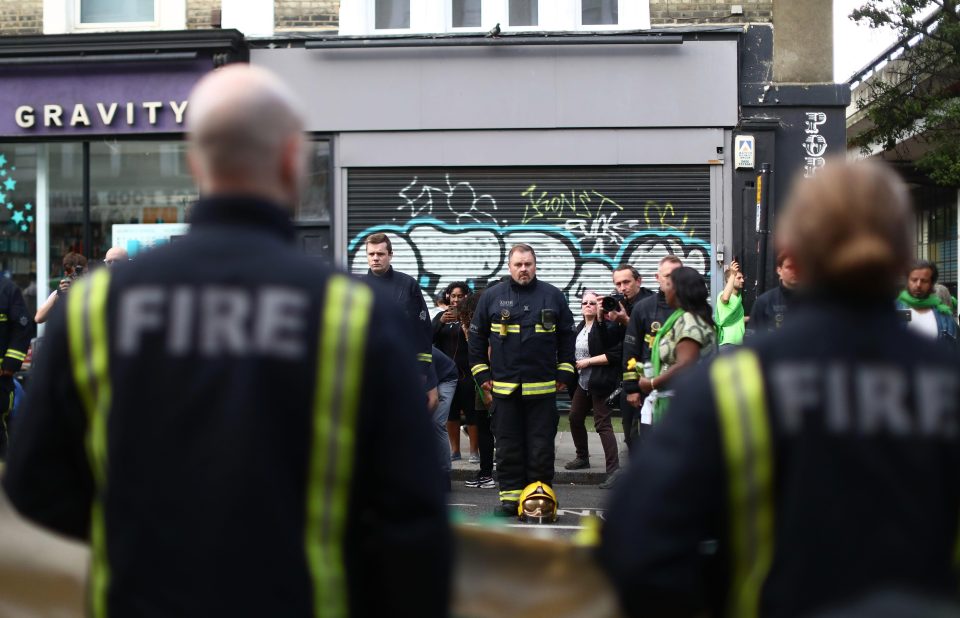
x=538, y=503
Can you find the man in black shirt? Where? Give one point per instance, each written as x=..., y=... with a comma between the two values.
x=771, y=308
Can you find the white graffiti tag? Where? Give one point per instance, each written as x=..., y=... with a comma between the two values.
x=815, y=144
x=460, y=199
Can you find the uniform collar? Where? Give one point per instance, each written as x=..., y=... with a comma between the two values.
x=386, y=275
x=529, y=286
x=242, y=210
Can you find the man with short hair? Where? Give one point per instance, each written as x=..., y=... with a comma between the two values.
x=928, y=316
x=115, y=256
x=613, y=330
x=645, y=320
x=730, y=319
x=404, y=291
x=522, y=352
x=195, y=414
x=770, y=309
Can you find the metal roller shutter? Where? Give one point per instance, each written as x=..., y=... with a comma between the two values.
x=458, y=224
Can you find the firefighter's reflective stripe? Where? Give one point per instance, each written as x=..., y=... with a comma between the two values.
x=336, y=402
x=15, y=354
x=89, y=359
x=479, y=368
x=538, y=388
x=502, y=329
x=510, y=495
x=745, y=435
x=539, y=328
x=3, y=317
x=630, y=375
x=425, y=358
x=504, y=388
x=565, y=367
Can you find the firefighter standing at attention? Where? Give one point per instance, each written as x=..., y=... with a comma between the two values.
x=522, y=352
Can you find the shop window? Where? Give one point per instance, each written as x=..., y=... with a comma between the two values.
x=523, y=13
x=66, y=16
x=392, y=14
x=18, y=199
x=117, y=11
x=599, y=12
x=465, y=14
x=315, y=203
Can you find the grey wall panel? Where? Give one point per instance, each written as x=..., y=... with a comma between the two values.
x=509, y=148
x=688, y=85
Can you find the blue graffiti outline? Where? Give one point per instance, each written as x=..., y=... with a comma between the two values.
x=496, y=229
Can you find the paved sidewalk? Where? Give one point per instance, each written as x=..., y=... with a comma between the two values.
x=595, y=474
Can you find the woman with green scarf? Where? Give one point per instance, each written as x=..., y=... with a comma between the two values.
x=688, y=335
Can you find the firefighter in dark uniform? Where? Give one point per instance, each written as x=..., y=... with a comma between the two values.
x=527, y=326
x=771, y=308
x=14, y=341
x=196, y=414
x=817, y=465
x=405, y=292
x=645, y=320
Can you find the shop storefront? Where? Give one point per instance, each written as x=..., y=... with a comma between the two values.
x=93, y=152
x=596, y=154
x=91, y=136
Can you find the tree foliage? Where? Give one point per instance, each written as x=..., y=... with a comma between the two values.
x=916, y=94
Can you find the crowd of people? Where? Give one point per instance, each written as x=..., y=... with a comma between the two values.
x=204, y=416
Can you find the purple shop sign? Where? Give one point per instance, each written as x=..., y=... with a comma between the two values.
x=88, y=99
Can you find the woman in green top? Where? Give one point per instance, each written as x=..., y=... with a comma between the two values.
x=688, y=335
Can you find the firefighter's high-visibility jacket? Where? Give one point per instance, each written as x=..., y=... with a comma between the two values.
x=205, y=416
x=14, y=326
x=806, y=470
x=530, y=333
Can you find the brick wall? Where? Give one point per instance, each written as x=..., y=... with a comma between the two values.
x=306, y=14
x=200, y=13
x=682, y=12
x=21, y=17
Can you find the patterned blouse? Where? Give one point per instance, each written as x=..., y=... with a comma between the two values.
x=688, y=326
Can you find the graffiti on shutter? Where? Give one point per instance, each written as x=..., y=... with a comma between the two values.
x=458, y=225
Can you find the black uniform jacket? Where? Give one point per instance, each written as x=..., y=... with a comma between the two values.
x=647, y=317
x=209, y=437
x=530, y=333
x=407, y=295
x=865, y=443
x=603, y=378
x=14, y=326
x=770, y=310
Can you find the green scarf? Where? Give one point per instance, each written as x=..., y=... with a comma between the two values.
x=660, y=407
x=735, y=315
x=930, y=302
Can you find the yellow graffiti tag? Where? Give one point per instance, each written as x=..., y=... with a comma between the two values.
x=583, y=204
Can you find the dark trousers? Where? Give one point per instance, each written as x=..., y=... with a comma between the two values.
x=525, y=430
x=484, y=442
x=6, y=408
x=580, y=404
x=630, y=417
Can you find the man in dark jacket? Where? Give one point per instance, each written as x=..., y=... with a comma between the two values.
x=645, y=320
x=14, y=341
x=405, y=292
x=613, y=329
x=771, y=308
x=195, y=413
x=811, y=468
x=527, y=326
